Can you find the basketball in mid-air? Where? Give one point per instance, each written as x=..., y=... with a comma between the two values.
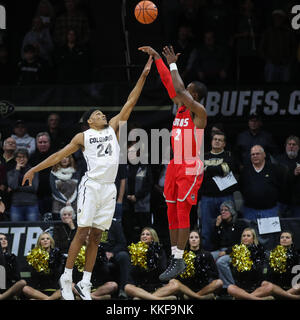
x=145, y=12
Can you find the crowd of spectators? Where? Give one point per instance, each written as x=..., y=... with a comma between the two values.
x=214, y=49
x=256, y=173
x=244, y=41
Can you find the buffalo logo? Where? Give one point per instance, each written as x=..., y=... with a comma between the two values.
x=6, y=109
x=193, y=197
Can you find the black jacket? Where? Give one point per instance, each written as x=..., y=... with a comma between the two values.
x=227, y=235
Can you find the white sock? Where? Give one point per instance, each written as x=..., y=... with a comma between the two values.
x=68, y=273
x=178, y=254
x=86, y=277
x=173, y=250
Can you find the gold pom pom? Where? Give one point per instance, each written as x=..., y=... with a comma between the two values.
x=80, y=260
x=189, y=258
x=138, y=254
x=278, y=259
x=241, y=258
x=38, y=258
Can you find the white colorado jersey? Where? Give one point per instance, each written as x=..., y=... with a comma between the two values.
x=101, y=152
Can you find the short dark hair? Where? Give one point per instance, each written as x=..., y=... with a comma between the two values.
x=200, y=89
x=87, y=115
x=22, y=151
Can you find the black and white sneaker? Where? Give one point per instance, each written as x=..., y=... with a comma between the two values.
x=176, y=267
x=83, y=290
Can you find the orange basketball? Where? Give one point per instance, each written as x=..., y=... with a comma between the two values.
x=145, y=12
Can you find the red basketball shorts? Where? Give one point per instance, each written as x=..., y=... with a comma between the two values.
x=183, y=181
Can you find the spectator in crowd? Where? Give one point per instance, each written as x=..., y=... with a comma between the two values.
x=218, y=165
x=6, y=67
x=43, y=150
x=57, y=135
x=278, y=48
x=254, y=135
x=185, y=43
x=245, y=41
x=248, y=272
x=3, y=185
x=31, y=70
x=9, y=148
x=217, y=16
x=41, y=39
x=8, y=163
x=72, y=60
x=24, y=201
x=137, y=213
x=22, y=138
x=146, y=266
x=208, y=134
x=63, y=233
x=13, y=282
x=45, y=270
x=209, y=63
x=262, y=184
x=190, y=13
x=64, y=180
x=227, y=232
x=71, y=19
x=46, y=12
x=282, y=259
x=116, y=252
x=290, y=159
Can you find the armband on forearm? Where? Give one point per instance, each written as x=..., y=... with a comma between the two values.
x=166, y=77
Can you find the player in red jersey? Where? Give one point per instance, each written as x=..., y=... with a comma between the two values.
x=185, y=171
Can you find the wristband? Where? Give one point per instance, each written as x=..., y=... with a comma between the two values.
x=173, y=66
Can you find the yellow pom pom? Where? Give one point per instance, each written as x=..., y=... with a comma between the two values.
x=138, y=254
x=189, y=258
x=241, y=258
x=278, y=259
x=38, y=258
x=80, y=260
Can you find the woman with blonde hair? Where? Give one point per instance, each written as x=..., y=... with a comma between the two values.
x=247, y=264
x=46, y=263
x=148, y=261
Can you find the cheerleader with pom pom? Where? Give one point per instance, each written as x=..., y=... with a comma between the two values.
x=200, y=280
x=282, y=259
x=13, y=282
x=247, y=260
x=148, y=261
x=46, y=262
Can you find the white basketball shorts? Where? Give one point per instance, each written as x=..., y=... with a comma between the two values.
x=95, y=204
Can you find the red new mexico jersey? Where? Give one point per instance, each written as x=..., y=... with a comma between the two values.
x=186, y=138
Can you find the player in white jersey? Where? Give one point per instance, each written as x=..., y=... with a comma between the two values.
x=97, y=192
